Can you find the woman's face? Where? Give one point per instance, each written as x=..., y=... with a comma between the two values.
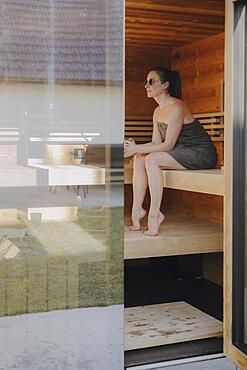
x=153, y=85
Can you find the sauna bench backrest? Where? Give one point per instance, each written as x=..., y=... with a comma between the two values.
x=140, y=128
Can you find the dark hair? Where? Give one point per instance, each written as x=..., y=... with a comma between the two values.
x=172, y=77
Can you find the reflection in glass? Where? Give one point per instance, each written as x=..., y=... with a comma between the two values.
x=245, y=190
x=243, y=176
x=61, y=134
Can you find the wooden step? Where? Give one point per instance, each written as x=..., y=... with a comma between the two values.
x=201, y=181
x=161, y=324
x=179, y=235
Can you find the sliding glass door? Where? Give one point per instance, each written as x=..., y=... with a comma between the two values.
x=61, y=170
x=239, y=307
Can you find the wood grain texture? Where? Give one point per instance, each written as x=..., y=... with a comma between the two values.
x=179, y=235
x=161, y=324
x=204, y=206
x=213, y=268
x=172, y=23
x=228, y=172
x=138, y=62
x=202, y=181
x=201, y=66
x=158, y=32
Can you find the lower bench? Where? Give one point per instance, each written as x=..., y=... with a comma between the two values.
x=179, y=235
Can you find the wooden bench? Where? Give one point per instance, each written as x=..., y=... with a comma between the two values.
x=204, y=181
x=179, y=235
x=201, y=181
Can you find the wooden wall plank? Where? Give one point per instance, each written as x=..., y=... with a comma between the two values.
x=213, y=267
x=204, y=206
x=201, y=66
x=138, y=63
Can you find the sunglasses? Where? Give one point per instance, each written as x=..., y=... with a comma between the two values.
x=150, y=81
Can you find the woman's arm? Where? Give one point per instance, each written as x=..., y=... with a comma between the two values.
x=175, y=123
x=156, y=138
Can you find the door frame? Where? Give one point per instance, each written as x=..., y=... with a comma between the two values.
x=231, y=351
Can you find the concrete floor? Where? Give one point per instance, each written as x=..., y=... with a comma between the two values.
x=83, y=339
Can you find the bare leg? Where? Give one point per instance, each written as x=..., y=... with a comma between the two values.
x=140, y=184
x=154, y=162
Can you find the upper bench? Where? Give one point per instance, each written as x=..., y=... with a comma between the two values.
x=202, y=181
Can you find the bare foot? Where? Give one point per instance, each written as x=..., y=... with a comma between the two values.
x=136, y=216
x=154, y=224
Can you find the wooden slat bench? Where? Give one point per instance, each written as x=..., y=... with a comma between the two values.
x=180, y=234
x=201, y=181
x=204, y=181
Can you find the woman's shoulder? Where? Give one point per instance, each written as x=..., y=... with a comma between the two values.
x=180, y=109
x=176, y=106
x=176, y=103
x=175, y=112
x=179, y=106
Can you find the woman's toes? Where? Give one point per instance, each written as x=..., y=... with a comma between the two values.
x=154, y=225
x=136, y=218
x=150, y=233
x=135, y=228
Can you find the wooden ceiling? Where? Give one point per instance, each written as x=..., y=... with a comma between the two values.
x=171, y=23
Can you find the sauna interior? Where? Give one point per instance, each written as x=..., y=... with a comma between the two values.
x=174, y=281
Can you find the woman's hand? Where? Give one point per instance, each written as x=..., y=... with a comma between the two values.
x=130, y=148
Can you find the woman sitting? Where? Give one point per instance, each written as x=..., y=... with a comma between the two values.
x=179, y=142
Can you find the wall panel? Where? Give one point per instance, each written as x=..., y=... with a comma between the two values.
x=201, y=65
x=138, y=63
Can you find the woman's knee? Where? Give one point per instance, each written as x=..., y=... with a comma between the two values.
x=151, y=160
x=139, y=162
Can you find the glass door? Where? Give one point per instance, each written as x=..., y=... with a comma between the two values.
x=239, y=307
x=61, y=170
x=235, y=258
